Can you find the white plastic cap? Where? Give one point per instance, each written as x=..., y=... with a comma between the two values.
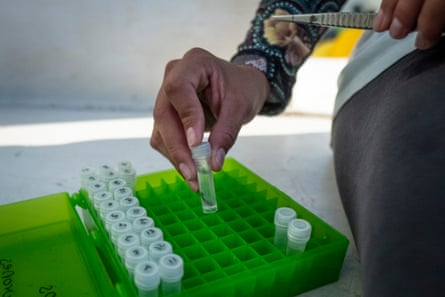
x=159, y=248
x=104, y=169
x=134, y=255
x=146, y=275
x=126, y=241
x=119, y=228
x=124, y=165
x=283, y=216
x=136, y=212
x=116, y=183
x=96, y=187
x=114, y=217
x=107, y=206
x=171, y=267
x=122, y=192
x=201, y=150
x=100, y=197
x=299, y=229
x=150, y=235
x=142, y=223
x=127, y=202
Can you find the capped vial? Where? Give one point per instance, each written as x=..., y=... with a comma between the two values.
x=116, y=183
x=150, y=235
x=113, y=217
x=136, y=212
x=126, y=241
x=133, y=256
x=108, y=176
x=298, y=234
x=122, y=165
x=283, y=216
x=88, y=180
x=147, y=278
x=96, y=187
x=100, y=197
x=85, y=174
x=122, y=192
x=129, y=175
x=171, y=269
x=119, y=228
x=104, y=169
x=107, y=206
x=201, y=157
x=128, y=202
x=142, y=223
x=158, y=249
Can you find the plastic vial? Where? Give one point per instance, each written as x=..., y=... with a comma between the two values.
x=101, y=197
x=171, y=269
x=129, y=175
x=122, y=165
x=96, y=187
x=128, y=202
x=201, y=156
x=147, y=278
x=85, y=174
x=298, y=235
x=119, y=228
x=133, y=256
x=122, y=192
x=158, y=249
x=142, y=223
x=113, y=217
x=104, y=169
x=136, y=212
x=126, y=241
x=107, y=177
x=116, y=183
x=150, y=235
x=283, y=216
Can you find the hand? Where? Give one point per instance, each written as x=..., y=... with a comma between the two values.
x=401, y=17
x=194, y=87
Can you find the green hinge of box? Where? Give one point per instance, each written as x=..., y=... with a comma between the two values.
x=46, y=250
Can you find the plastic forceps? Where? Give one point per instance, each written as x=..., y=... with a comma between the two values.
x=355, y=20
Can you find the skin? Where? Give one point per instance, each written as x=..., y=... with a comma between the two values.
x=234, y=94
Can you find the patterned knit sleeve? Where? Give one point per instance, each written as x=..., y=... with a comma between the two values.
x=280, y=48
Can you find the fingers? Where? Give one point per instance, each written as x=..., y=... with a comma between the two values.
x=401, y=17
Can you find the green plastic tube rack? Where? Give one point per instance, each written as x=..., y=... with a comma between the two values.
x=45, y=249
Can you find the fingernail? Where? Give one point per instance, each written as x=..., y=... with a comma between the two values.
x=185, y=171
x=378, y=21
x=193, y=185
x=219, y=158
x=191, y=136
x=396, y=30
x=422, y=42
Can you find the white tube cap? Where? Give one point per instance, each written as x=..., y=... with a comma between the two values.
x=146, y=275
x=159, y=248
x=142, y=223
x=171, y=267
x=122, y=192
x=283, y=216
x=136, y=212
x=113, y=217
x=126, y=241
x=201, y=150
x=134, y=255
x=150, y=235
x=116, y=183
x=127, y=202
x=299, y=229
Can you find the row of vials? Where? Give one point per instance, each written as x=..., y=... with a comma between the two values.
x=148, y=258
x=291, y=233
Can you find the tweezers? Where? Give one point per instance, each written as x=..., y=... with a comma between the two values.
x=355, y=20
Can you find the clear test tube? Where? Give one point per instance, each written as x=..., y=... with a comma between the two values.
x=171, y=269
x=136, y=212
x=283, y=216
x=201, y=157
x=147, y=278
x=142, y=223
x=158, y=249
x=113, y=217
x=122, y=192
x=129, y=175
x=133, y=256
x=116, y=183
x=128, y=202
x=85, y=174
x=126, y=241
x=119, y=228
x=150, y=235
x=298, y=234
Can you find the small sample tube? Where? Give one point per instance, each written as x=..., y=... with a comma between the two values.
x=283, y=216
x=116, y=183
x=298, y=234
x=150, y=235
x=136, y=212
x=104, y=169
x=171, y=269
x=201, y=157
x=133, y=256
x=147, y=278
x=107, y=206
x=126, y=241
x=122, y=192
x=128, y=202
x=129, y=175
x=113, y=217
x=142, y=223
x=96, y=187
x=158, y=249
x=87, y=173
x=122, y=165
x=119, y=228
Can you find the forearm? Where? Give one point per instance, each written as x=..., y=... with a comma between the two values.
x=280, y=48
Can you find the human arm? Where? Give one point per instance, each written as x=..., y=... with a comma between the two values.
x=400, y=17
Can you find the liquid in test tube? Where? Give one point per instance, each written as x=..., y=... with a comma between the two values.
x=201, y=156
x=147, y=278
x=171, y=269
